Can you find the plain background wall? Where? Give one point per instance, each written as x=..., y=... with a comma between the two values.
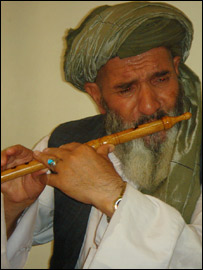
x=35, y=96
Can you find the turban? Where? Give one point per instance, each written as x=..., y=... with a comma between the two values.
x=124, y=30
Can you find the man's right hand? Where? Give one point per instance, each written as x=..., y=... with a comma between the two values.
x=20, y=192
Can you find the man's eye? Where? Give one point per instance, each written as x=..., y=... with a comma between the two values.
x=126, y=91
x=162, y=79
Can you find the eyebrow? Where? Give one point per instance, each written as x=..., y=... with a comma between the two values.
x=154, y=75
x=160, y=74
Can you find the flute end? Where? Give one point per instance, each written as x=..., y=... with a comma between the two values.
x=187, y=115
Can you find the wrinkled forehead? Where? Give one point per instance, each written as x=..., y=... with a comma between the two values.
x=157, y=58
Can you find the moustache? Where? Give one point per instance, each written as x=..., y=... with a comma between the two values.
x=143, y=119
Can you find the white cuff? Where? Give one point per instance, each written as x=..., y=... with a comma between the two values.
x=15, y=251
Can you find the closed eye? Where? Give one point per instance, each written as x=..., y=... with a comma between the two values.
x=161, y=77
x=126, y=90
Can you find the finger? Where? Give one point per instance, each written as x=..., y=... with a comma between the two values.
x=15, y=155
x=47, y=160
x=4, y=157
x=105, y=149
x=17, y=150
x=49, y=179
x=57, y=152
x=41, y=172
x=11, y=151
x=70, y=146
x=3, y=160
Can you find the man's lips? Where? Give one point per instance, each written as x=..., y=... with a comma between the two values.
x=155, y=138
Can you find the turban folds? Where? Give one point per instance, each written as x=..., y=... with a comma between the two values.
x=124, y=30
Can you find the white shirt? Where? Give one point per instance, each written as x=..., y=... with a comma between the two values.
x=144, y=233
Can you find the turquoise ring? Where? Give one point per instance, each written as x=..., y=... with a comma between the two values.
x=51, y=162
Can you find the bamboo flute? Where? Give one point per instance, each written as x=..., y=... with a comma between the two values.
x=117, y=138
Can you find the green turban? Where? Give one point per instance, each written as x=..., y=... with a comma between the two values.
x=124, y=30
x=130, y=29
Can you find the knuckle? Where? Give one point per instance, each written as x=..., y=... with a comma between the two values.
x=62, y=146
x=18, y=146
x=84, y=148
x=73, y=158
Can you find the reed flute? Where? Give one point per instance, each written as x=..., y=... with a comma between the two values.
x=121, y=137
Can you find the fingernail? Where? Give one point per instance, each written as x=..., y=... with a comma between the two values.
x=111, y=148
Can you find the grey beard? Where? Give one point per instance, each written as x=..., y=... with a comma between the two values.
x=145, y=165
x=142, y=165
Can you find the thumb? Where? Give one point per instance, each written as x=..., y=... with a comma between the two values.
x=41, y=176
x=105, y=149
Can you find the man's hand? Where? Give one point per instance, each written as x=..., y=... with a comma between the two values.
x=20, y=192
x=84, y=174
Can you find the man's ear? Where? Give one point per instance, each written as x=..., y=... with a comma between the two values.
x=176, y=62
x=94, y=91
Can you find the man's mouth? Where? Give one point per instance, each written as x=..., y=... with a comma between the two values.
x=155, y=138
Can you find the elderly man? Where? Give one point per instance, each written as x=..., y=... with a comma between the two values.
x=136, y=205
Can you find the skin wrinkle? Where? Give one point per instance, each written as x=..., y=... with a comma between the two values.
x=141, y=62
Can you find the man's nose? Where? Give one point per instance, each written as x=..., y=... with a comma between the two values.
x=148, y=101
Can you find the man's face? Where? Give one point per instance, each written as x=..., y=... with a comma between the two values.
x=138, y=85
x=133, y=91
